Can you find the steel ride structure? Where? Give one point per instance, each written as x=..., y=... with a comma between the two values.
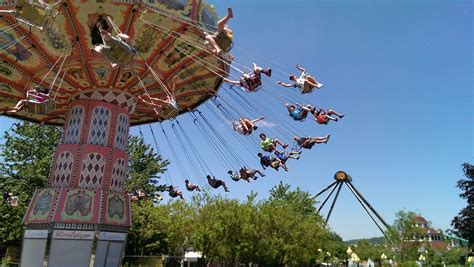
x=342, y=178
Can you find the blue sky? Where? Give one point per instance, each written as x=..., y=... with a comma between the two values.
x=401, y=71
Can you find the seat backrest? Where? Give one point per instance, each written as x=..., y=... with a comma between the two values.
x=119, y=52
x=254, y=83
x=33, y=14
x=40, y=108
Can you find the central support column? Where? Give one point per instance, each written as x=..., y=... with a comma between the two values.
x=85, y=203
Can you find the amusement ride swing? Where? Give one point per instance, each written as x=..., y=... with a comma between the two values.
x=111, y=65
x=342, y=178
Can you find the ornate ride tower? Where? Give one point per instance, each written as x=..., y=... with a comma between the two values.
x=83, y=216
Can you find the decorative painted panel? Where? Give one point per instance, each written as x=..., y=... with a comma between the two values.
x=121, y=132
x=118, y=175
x=116, y=209
x=78, y=206
x=73, y=131
x=92, y=171
x=62, y=171
x=41, y=206
x=99, y=126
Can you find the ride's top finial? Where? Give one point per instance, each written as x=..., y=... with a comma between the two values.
x=342, y=176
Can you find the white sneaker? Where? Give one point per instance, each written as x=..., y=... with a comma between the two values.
x=320, y=85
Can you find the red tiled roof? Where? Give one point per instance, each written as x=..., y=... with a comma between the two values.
x=419, y=219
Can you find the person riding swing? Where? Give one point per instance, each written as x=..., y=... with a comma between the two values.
x=220, y=42
x=36, y=96
x=309, y=142
x=174, y=192
x=235, y=176
x=245, y=126
x=247, y=173
x=284, y=156
x=305, y=83
x=158, y=102
x=215, y=183
x=272, y=162
x=251, y=82
x=191, y=187
x=299, y=112
x=117, y=49
x=324, y=116
x=269, y=144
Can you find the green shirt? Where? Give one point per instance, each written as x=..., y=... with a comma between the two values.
x=266, y=143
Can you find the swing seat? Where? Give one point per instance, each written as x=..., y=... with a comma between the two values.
x=36, y=107
x=238, y=128
x=34, y=14
x=119, y=52
x=252, y=84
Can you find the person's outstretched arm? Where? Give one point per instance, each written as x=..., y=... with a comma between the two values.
x=285, y=84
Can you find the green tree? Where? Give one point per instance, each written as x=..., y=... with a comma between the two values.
x=463, y=223
x=336, y=246
x=453, y=255
x=302, y=201
x=209, y=226
x=148, y=235
x=242, y=231
x=27, y=152
x=293, y=231
x=404, y=234
x=366, y=250
x=144, y=165
x=291, y=237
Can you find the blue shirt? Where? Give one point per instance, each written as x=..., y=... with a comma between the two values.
x=296, y=113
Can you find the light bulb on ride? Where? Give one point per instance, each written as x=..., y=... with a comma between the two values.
x=349, y=251
x=421, y=258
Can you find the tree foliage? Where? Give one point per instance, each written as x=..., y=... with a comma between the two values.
x=149, y=234
x=366, y=250
x=27, y=152
x=404, y=235
x=463, y=223
x=275, y=231
x=144, y=165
